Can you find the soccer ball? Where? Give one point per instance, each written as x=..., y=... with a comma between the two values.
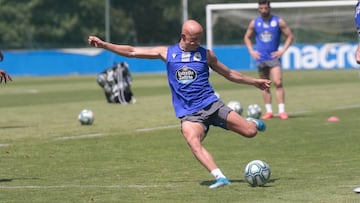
x=257, y=173
x=254, y=111
x=86, y=117
x=236, y=106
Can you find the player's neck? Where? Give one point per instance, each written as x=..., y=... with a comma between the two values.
x=183, y=47
x=266, y=18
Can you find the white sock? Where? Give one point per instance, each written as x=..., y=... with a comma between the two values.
x=268, y=108
x=281, y=108
x=217, y=173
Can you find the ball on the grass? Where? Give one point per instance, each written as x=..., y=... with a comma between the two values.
x=257, y=173
x=254, y=111
x=86, y=117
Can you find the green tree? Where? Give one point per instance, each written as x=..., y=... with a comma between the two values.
x=16, y=29
x=38, y=24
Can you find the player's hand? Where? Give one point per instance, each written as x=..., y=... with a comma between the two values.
x=4, y=76
x=96, y=42
x=263, y=84
x=255, y=54
x=277, y=54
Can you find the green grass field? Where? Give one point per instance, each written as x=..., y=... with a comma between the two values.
x=136, y=153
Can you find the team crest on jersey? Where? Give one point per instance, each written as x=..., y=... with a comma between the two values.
x=185, y=75
x=266, y=36
x=197, y=56
x=273, y=23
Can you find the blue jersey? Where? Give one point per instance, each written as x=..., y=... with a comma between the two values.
x=357, y=15
x=188, y=77
x=267, y=36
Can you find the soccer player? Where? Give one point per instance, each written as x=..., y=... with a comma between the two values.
x=357, y=24
x=193, y=97
x=3, y=75
x=268, y=29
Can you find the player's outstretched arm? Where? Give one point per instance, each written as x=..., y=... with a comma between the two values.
x=129, y=51
x=234, y=75
x=4, y=76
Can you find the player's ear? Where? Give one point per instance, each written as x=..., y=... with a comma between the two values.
x=183, y=37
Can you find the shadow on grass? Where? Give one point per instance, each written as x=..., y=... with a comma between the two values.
x=210, y=182
x=4, y=180
x=15, y=126
x=300, y=116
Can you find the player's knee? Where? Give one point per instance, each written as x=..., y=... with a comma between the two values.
x=278, y=84
x=250, y=133
x=192, y=140
x=194, y=146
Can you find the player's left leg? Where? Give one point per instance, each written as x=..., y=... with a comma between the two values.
x=245, y=127
x=277, y=80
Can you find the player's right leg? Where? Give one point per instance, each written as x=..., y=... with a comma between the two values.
x=264, y=73
x=194, y=133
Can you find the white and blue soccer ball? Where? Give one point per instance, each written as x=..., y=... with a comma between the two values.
x=236, y=106
x=86, y=117
x=257, y=173
x=254, y=111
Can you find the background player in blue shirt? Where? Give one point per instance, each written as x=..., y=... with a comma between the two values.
x=268, y=29
x=195, y=104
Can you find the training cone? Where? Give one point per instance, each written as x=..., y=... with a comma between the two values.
x=333, y=119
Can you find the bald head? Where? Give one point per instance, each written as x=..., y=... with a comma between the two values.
x=191, y=27
x=191, y=35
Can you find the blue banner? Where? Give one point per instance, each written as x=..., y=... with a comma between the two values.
x=93, y=61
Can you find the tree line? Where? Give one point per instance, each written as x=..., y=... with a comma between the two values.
x=42, y=24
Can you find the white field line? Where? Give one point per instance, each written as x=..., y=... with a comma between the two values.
x=157, y=128
x=347, y=107
x=4, y=145
x=174, y=126
x=79, y=137
x=86, y=186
